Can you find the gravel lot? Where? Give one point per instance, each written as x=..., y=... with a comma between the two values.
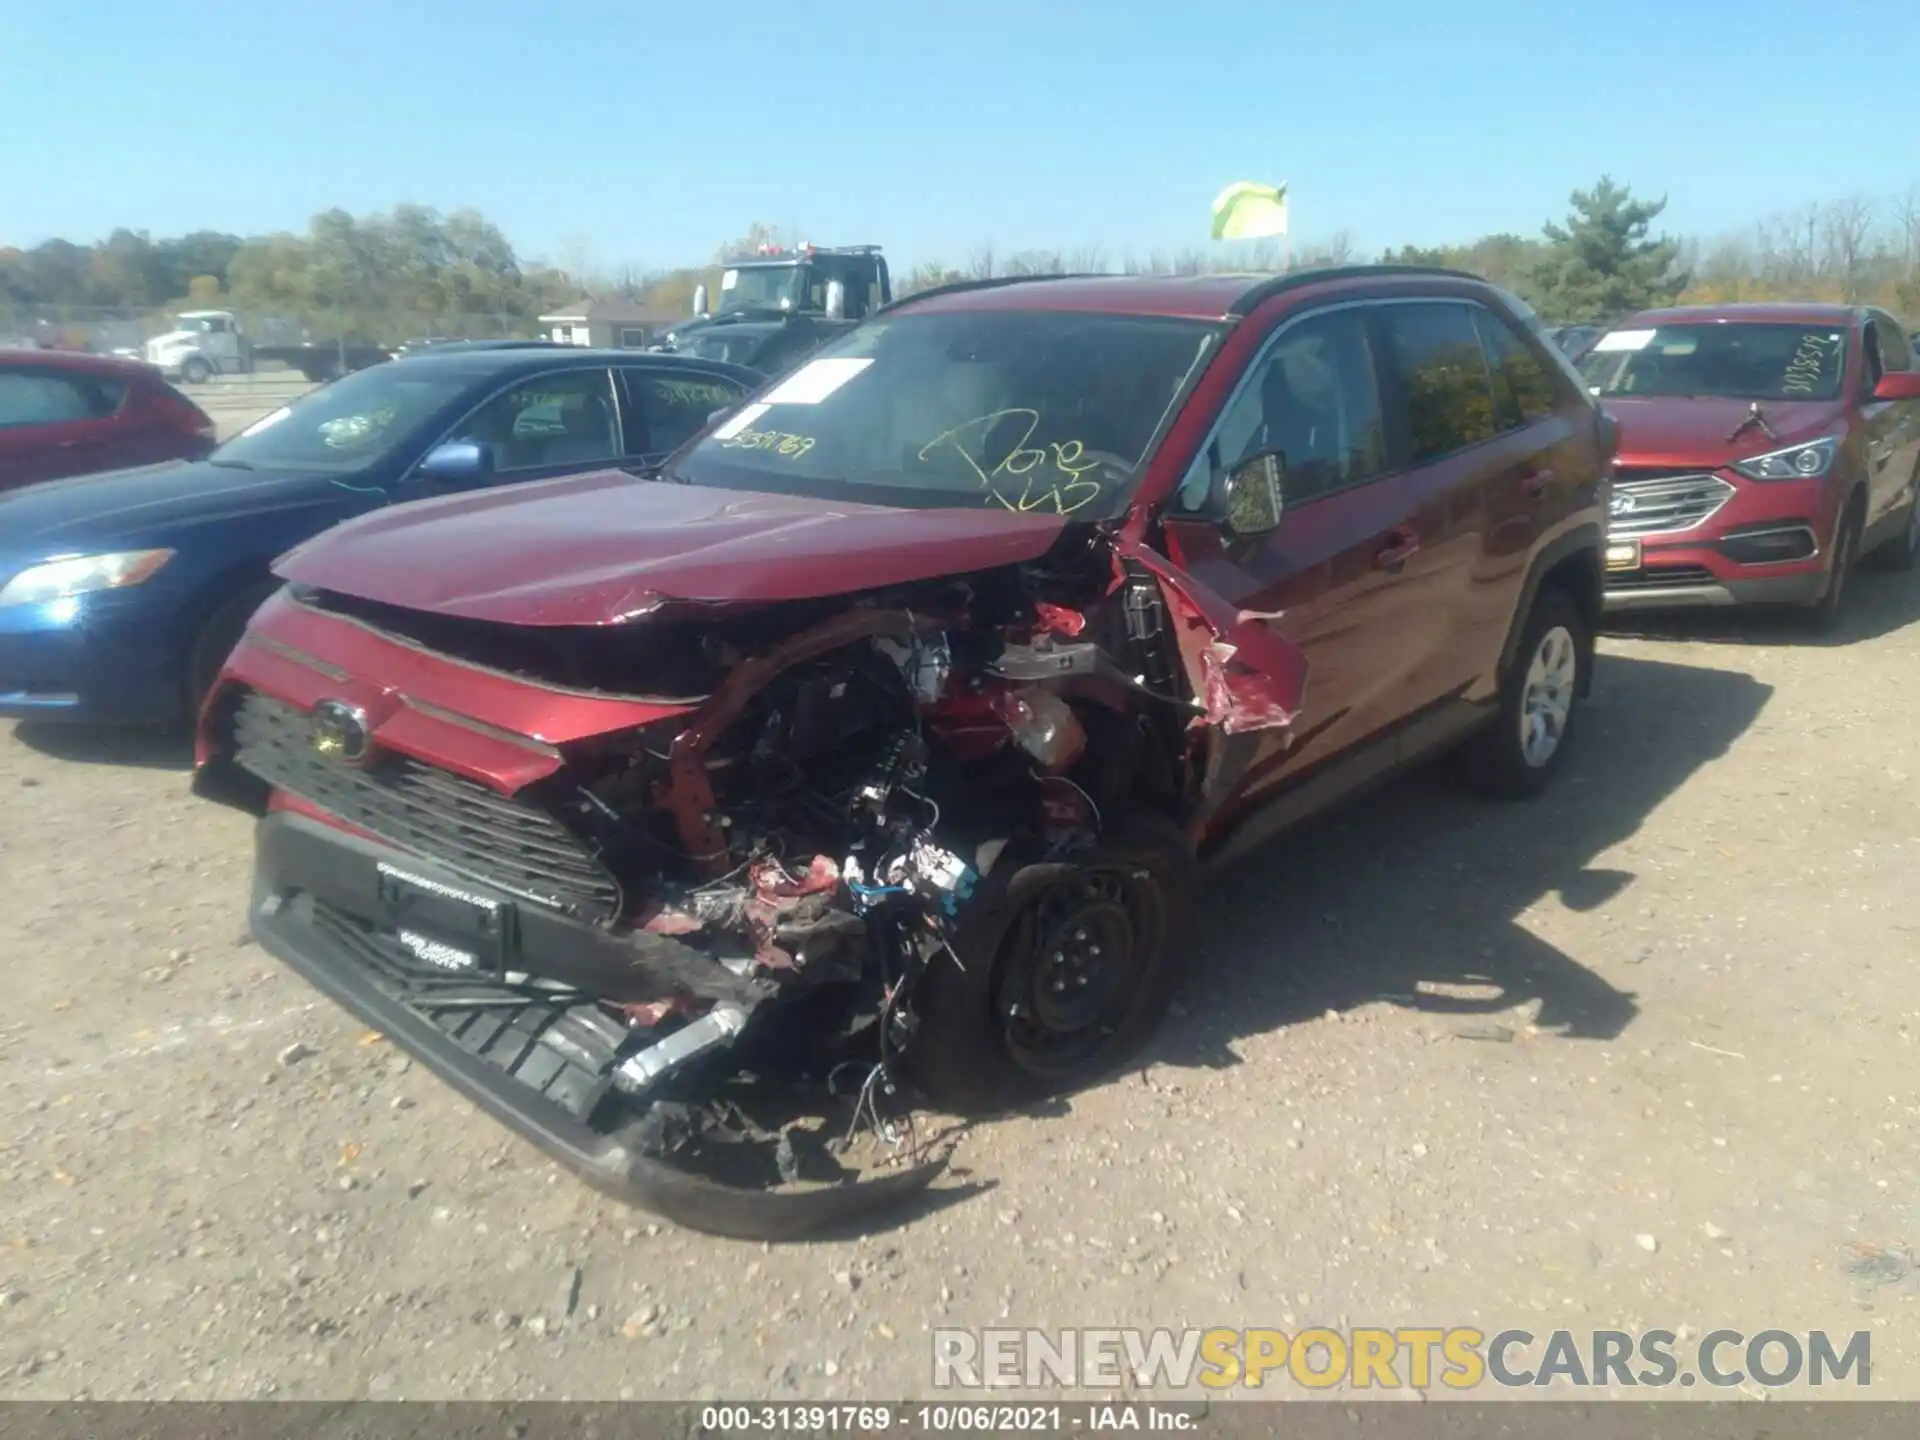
x=1642, y=1054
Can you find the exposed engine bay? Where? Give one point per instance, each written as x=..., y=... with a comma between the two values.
x=836, y=815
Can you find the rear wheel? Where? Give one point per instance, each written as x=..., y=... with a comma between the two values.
x=1515, y=756
x=1060, y=971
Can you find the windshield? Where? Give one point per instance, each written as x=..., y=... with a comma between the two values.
x=1046, y=411
x=760, y=287
x=357, y=421
x=1739, y=361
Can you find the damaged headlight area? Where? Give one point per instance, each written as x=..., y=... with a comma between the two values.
x=916, y=847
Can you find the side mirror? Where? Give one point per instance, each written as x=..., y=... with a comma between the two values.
x=458, y=460
x=836, y=300
x=1253, y=493
x=1898, y=385
x=1609, y=429
x=699, y=301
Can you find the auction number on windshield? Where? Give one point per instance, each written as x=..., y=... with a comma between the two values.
x=1808, y=364
x=772, y=442
x=1030, y=477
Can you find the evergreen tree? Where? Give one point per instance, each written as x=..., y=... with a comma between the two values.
x=1602, y=264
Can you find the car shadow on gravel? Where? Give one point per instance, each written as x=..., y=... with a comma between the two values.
x=1412, y=896
x=1876, y=604
x=107, y=745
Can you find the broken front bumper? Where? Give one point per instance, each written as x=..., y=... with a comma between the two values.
x=543, y=1066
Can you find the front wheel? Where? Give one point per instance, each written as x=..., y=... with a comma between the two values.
x=1515, y=756
x=1061, y=970
x=196, y=371
x=1902, y=552
x=1824, y=613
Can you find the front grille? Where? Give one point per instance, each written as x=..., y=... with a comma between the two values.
x=1662, y=504
x=1663, y=577
x=509, y=845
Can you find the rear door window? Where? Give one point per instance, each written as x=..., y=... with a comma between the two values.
x=44, y=397
x=1523, y=389
x=1433, y=354
x=667, y=408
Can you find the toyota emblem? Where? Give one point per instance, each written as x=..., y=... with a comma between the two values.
x=339, y=732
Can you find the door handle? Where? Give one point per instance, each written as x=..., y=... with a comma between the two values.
x=1535, y=482
x=1403, y=543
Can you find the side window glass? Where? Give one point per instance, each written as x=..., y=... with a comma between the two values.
x=1896, y=351
x=1522, y=389
x=1874, y=367
x=29, y=398
x=1313, y=398
x=563, y=419
x=1435, y=352
x=668, y=408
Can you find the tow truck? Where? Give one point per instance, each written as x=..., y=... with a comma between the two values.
x=778, y=305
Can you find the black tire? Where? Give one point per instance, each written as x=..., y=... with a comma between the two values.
x=1499, y=762
x=217, y=636
x=1902, y=552
x=196, y=371
x=992, y=1035
x=1824, y=614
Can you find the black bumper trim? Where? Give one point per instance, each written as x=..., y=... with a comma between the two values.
x=607, y=1160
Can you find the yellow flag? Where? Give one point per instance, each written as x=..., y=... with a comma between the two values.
x=1246, y=211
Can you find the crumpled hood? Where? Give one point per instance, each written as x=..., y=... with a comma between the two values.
x=1693, y=431
x=599, y=549
x=89, y=511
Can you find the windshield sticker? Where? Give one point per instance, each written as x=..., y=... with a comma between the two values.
x=734, y=425
x=1624, y=340
x=266, y=421
x=814, y=381
x=1809, y=362
x=1050, y=476
x=770, y=442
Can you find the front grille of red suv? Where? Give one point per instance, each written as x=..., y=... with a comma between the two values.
x=1654, y=502
x=507, y=844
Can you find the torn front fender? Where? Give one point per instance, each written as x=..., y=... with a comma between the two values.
x=1247, y=676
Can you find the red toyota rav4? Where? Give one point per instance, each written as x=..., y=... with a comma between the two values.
x=1763, y=450
x=881, y=738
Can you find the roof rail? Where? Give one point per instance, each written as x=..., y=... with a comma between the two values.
x=961, y=287
x=1257, y=295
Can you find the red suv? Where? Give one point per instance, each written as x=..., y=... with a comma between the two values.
x=1763, y=450
x=884, y=735
x=67, y=414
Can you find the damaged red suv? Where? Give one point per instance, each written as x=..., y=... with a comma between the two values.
x=876, y=747
x=1764, y=449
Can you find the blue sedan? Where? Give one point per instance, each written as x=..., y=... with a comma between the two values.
x=122, y=593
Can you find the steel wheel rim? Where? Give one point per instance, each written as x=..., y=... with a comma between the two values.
x=1074, y=966
x=1546, y=701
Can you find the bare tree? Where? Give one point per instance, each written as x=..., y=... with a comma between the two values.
x=981, y=266
x=1849, y=226
x=1085, y=260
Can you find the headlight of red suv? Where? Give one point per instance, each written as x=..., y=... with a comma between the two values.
x=1797, y=462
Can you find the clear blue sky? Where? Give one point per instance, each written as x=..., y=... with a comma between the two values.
x=647, y=132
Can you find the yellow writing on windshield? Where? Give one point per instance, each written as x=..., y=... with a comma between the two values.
x=1051, y=476
x=1808, y=363
x=771, y=442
